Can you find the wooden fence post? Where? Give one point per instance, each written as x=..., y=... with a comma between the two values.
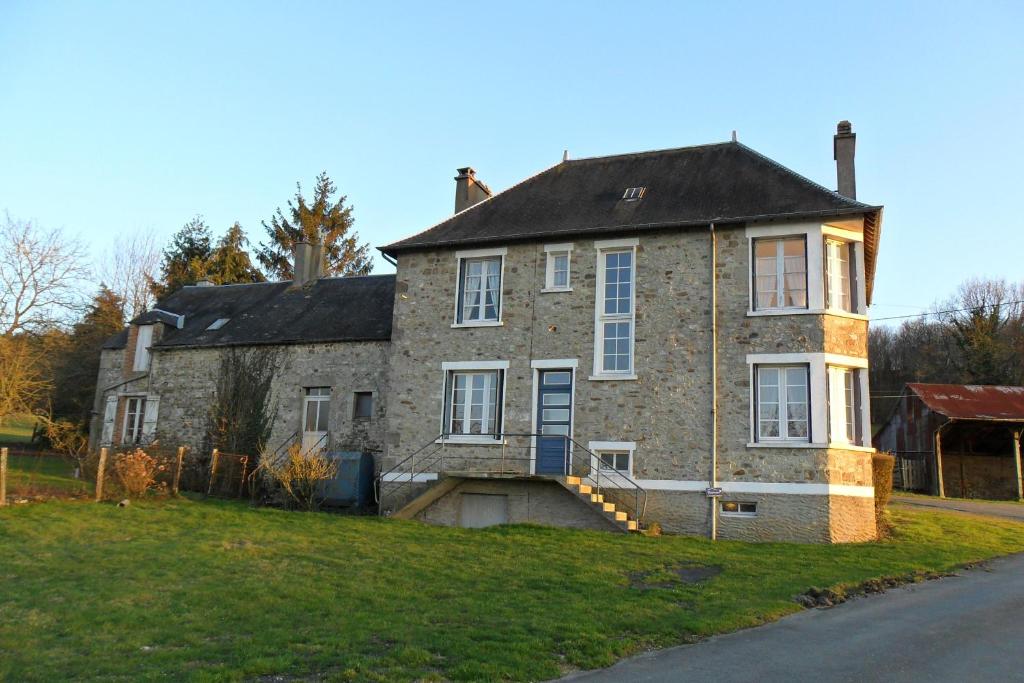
x=3, y=477
x=241, y=484
x=213, y=469
x=100, y=471
x=177, y=470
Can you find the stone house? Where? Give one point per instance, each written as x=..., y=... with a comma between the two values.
x=676, y=336
x=959, y=440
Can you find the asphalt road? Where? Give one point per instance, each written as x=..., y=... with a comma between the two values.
x=992, y=509
x=964, y=628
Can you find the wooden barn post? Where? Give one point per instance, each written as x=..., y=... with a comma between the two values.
x=1016, y=461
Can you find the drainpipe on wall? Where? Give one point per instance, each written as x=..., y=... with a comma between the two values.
x=714, y=380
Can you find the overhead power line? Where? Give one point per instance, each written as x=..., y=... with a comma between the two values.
x=952, y=310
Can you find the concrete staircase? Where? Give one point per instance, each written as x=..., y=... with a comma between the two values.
x=588, y=494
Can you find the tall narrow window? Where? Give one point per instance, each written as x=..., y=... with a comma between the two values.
x=472, y=405
x=782, y=403
x=317, y=409
x=615, y=312
x=780, y=273
x=479, y=290
x=843, y=405
x=134, y=413
x=838, y=283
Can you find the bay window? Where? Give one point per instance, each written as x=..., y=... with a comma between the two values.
x=838, y=283
x=780, y=273
x=782, y=402
x=844, y=409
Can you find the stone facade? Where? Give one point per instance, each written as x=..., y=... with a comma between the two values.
x=666, y=410
x=184, y=382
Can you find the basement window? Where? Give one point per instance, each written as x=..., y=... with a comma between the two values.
x=218, y=323
x=634, y=193
x=736, y=509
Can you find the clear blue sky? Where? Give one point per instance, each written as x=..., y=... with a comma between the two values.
x=121, y=116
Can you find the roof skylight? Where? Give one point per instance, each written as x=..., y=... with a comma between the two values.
x=634, y=193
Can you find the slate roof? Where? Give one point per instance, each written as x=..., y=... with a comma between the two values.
x=725, y=182
x=972, y=401
x=328, y=310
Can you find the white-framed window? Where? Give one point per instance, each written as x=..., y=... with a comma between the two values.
x=558, y=267
x=611, y=458
x=782, y=401
x=732, y=508
x=780, y=273
x=844, y=405
x=143, y=340
x=478, y=291
x=615, y=314
x=134, y=415
x=316, y=409
x=839, y=267
x=472, y=405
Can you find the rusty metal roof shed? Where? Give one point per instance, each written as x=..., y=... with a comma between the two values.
x=973, y=401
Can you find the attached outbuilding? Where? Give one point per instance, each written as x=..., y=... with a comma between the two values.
x=960, y=440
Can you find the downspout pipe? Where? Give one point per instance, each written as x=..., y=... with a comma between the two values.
x=713, y=501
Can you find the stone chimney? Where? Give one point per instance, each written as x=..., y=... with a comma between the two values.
x=842, y=151
x=468, y=190
x=309, y=263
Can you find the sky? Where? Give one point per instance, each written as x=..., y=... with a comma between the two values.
x=121, y=117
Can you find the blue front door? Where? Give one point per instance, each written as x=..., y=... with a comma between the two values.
x=554, y=411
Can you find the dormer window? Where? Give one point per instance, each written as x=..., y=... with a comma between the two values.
x=143, y=340
x=634, y=193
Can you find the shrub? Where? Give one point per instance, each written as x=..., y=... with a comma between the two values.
x=881, y=472
x=136, y=472
x=301, y=475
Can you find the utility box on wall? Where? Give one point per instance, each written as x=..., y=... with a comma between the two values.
x=353, y=485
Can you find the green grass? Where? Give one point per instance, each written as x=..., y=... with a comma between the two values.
x=17, y=429
x=187, y=589
x=924, y=497
x=47, y=475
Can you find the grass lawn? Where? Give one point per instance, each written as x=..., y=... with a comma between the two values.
x=17, y=429
x=208, y=590
x=32, y=474
x=923, y=497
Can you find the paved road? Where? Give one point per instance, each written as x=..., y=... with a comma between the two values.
x=1008, y=510
x=964, y=628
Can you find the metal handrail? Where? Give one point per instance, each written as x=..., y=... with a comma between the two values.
x=408, y=466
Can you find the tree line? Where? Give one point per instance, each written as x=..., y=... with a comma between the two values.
x=51, y=330
x=974, y=337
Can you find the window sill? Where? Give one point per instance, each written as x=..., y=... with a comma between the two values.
x=482, y=323
x=738, y=515
x=806, y=311
x=851, y=447
x=612, y=378
x=555, y=290
x=470, y=439
x=785, y=444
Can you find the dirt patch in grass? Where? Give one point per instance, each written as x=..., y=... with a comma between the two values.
x=819, y=598
x=672, y=576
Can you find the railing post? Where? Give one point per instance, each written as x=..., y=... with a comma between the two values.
x=504, y=442
x=100, y=472
x=177, y=470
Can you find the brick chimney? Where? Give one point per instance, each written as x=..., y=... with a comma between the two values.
x=309, y=263
x=468, y=190
x=843, y=146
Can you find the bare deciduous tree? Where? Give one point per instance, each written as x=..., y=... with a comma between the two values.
x=23, y=381
x=130, y=271
x=40, y=276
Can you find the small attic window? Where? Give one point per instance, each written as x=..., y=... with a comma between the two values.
x=218, y=323
x=634, y=193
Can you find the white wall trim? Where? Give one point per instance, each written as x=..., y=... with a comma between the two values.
x=780, y=488
x=564, y=246
x=476, y=253
x=474, y=365
x=842, y=233
x=621, y=243
x=611, y=445
x=554, y=363
x=407, y=476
